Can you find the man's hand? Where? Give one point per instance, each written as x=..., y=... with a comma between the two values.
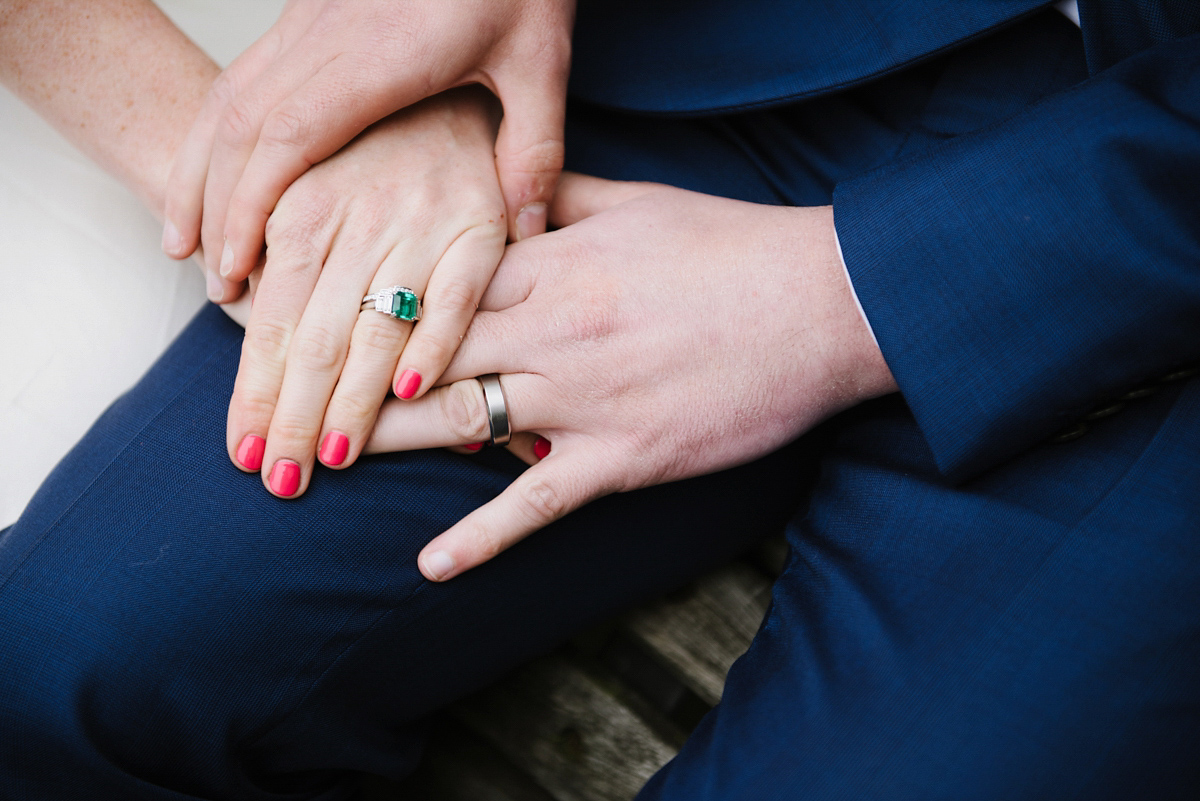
x=330, y=68
x=661, y=334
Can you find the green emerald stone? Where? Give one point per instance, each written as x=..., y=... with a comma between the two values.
x=404, y=306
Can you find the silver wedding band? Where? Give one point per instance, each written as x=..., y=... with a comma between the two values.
x=497, y=409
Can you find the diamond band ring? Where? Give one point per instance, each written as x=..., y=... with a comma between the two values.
x=397, y=301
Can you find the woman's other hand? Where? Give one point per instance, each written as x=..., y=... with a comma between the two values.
x=413, y=202
x=330, y=68
x=663, y=334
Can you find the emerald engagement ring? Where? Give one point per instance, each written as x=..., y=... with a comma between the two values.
x=398, y=301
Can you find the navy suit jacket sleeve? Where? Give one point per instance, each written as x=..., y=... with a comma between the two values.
x=1017, y=275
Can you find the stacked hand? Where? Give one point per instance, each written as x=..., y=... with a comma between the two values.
x=414, y=201
x=330, y=68
x=660, y=334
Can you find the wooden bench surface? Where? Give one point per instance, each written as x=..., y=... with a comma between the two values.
x=596, y=718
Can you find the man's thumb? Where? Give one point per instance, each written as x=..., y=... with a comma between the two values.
x=529, y=155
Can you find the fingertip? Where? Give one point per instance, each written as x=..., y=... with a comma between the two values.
x=407, y=384
x=250, y=453
x=172, y=241
x=242, y=241
x=221, y=290
x=214, y=287
x=284, y=479
x=227, y=259
x=531, y=221
x=334, y=449
x=437, y=565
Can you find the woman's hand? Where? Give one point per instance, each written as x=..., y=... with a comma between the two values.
x=413, y=202
x=330, y=68
x=667, y=335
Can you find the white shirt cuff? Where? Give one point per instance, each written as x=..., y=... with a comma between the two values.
x=853, y=294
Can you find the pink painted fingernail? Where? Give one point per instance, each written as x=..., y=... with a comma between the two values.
x=334, y=448
x=541, y=448
x=438, y=565
x=226, y=260
x=531, y=221
x=250, y=452
x=285, y=478
x=474, y=446
x=409, y=383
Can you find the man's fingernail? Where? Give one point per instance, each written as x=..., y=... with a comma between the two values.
x=214, y=287
x=474, y=446
x=438, y=565
x=541, y=448
x=226, y=260
x=409, y=383
x=172, y=241
x=250, y=452
x=285, y=478
x=334, y=448
x=531, y=221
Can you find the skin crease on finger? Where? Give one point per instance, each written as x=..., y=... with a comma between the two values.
x=664, y=336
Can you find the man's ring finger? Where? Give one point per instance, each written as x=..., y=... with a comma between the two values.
x=497, y=409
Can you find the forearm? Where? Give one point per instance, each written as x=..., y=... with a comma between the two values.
x=116, y=77
x=1021, y=274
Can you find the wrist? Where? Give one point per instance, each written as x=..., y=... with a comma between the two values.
x=856, y=369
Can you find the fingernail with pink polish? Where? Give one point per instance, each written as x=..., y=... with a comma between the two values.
x=334, y=448
x=250, y=452
x=474, y=446
x=285, y=478
x=531, y=221
x=541, y=448
x=409, y=383
x=438, y=565
x=226, y=260
x=172, y=241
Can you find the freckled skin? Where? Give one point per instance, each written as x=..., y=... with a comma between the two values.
x=119, y=80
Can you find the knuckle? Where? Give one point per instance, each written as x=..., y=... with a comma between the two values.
x=458, y=297
x=487, y=544
x=537, y=158
x=318, y=348
x=377, y=335
x=225, y=87
x=357, y=409
x=298, y=219
x=543, y=502
x=493, y=232
x=289, y=428
x=238, y=125
x=431, y=351
x=284, y=129
x=254, y=405
x=463, y=409
x=594, y=321
x=268, y=340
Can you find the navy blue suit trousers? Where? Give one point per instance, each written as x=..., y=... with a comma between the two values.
x=170, y=631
